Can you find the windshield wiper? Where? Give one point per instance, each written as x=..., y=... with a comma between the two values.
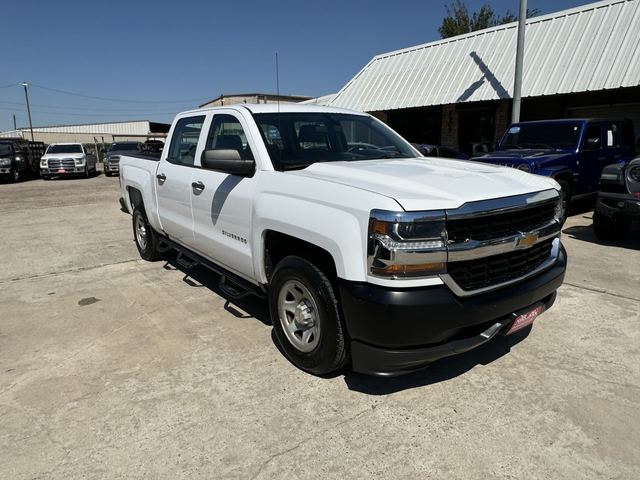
x=511, y=145
x=295, y=166
x=540, y=145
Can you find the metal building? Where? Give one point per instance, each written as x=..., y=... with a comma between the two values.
x=581, y=62
x=236, y=98
x=94, y=132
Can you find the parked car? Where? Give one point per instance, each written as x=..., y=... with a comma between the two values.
x=112, y=157
x=429, y=150
x=618, y=200
x=19, y=158
x=372, y=255
x=571, y=151
x=67, y=159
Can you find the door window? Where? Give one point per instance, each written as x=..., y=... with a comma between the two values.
x=612, y=136
x=226, y=133
x=184, y=141
x=592, y=140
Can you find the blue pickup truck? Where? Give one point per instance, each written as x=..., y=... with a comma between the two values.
x=572, y=151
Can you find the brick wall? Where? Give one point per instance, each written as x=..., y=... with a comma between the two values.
x=503, y=117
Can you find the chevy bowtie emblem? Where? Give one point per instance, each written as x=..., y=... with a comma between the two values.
x=526, y=240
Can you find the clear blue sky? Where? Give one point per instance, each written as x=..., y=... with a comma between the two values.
x=188, y=50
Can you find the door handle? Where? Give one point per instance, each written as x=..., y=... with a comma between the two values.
x=197, y=186
x=161, y=178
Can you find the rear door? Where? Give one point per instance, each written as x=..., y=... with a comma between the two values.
x=173, y=179
x=594, y=159
x=222, y=203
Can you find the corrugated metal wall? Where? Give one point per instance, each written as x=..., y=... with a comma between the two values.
x=593, y=47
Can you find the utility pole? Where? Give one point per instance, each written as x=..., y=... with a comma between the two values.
x=26, y=96
x=517, y=83
x=15, y=125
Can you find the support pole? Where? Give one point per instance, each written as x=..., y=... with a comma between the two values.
x=517, y=83
x=26, y=96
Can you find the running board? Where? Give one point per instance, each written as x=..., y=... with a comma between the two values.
x=230, y=284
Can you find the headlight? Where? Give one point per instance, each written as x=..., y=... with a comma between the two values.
x=43, y=162
x=80, y=161
x=634, y=173
x=5, y=162
x=559, y=211
x=525, y=167
x=407, y=245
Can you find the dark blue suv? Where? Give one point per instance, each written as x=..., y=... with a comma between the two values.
x=572, y=151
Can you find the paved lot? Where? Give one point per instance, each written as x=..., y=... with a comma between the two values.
x=111, y=367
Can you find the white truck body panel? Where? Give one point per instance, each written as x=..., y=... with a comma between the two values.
x=326, y=204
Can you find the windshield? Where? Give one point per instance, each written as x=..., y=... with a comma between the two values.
x=123, y=146
x=552, y=135
x=73, y=148
x=297, y=140
x=6, y=149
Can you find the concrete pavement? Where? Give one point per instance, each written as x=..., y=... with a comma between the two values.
x=112, y=367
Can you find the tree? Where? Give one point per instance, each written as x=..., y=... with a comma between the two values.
x=458, y=20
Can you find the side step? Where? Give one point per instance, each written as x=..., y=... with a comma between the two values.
x=186, y=262
x=232, y=289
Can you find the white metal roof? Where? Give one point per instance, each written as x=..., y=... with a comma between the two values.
x=136, y=127
x=592, y=47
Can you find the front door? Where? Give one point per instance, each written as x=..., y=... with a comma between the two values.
x=173, y=180
x=222, y=203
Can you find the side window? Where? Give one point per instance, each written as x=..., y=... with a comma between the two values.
x=226, y=133
x=184, y=141
x=592, y=137
x=612, y=136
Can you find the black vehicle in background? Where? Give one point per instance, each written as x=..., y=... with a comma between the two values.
x=429, y=150
x=20, y=158
x=618, y=200
x=112, y=157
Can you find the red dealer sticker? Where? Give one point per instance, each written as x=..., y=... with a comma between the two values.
x=525, y=319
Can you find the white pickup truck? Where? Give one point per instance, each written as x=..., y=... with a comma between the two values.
x=367, y=252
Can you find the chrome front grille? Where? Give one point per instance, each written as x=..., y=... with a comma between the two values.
x=61, y=163
x=499, y=242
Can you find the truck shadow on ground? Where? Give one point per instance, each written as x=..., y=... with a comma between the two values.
x=252, y=307
x=199, y=277
x=439, y=371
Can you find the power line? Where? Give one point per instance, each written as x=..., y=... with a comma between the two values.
x=66, y=92
x=63, y=108
x=97, y=114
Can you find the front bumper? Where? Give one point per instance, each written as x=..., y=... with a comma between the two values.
x=5, y=170
x=396, y=331
x=610, y=204
x=112, y=167
x=63, y=171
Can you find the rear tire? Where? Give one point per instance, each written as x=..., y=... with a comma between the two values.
x=614, y=227
x=306, y=317
x=145, y=236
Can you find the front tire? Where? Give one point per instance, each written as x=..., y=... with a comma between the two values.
x=145, y=236
x=15, y=175
x=306, y=317
x=614, y=227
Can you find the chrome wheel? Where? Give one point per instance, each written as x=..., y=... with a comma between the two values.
x=142, y=235
x=298, y=315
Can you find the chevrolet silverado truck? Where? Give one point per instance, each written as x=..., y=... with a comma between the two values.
x=368, y=252
x=571, y=151
x=618, y=200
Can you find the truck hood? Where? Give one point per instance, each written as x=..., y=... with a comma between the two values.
x=429, y=183
x=517, y=157
x=62, y=155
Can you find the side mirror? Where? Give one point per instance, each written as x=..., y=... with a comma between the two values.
x=592, y=144
x=227, y=161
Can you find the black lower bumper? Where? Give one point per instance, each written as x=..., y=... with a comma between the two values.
x=395, y=331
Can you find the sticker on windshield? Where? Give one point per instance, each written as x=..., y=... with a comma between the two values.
x=514, y=130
